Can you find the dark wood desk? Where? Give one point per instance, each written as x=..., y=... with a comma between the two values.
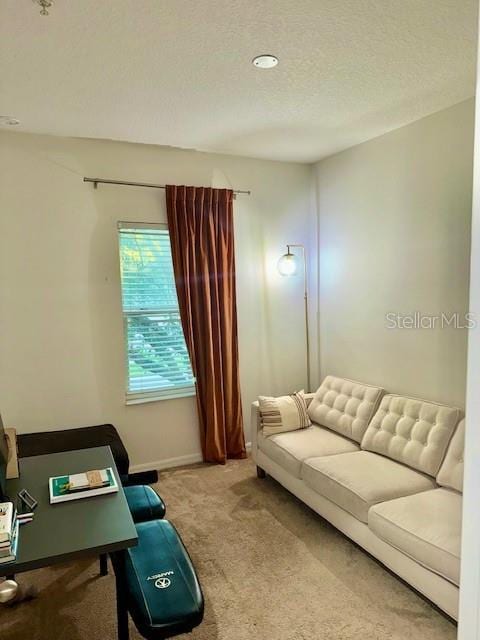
x=69, y=530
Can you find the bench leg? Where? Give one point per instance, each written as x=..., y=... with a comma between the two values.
x=122, y=609
x=103, y=564
x=261, y=473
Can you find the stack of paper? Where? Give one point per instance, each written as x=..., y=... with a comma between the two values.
x=8, y=533
x=82, y=485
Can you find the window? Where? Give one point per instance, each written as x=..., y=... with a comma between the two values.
x=158, y=365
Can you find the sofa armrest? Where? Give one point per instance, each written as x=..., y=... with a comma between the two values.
x=255, y=427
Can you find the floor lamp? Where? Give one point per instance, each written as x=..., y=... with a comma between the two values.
x=288, y=266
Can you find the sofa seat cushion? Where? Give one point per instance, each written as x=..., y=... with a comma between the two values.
x=426, y=527
x=356, y=481
x=289, y=450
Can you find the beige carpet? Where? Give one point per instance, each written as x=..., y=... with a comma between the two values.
x=270, y=568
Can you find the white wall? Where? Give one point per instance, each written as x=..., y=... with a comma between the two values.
x=395, y=237
x=394, y=219
x=61, y=340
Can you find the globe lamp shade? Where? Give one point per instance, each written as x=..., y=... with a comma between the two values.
x=287, y=265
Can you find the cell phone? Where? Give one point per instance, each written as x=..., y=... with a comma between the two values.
x=27, y=499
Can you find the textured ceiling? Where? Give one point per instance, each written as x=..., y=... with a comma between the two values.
x=178, y=72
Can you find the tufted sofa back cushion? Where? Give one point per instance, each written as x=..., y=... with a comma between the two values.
x=451, y=471
x=344, y=406
x=412, y=431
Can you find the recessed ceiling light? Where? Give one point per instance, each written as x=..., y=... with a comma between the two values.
x=265, y=61
x=45, y=5
x=8, y=120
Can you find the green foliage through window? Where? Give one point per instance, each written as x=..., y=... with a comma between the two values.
x=157, y=355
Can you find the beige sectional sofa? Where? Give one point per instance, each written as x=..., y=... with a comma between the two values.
x=386, y=470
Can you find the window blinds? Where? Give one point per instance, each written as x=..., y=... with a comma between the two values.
x=157, y=357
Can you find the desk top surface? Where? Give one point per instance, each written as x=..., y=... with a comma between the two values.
x=66, y=530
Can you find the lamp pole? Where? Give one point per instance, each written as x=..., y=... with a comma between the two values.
x=305, y=298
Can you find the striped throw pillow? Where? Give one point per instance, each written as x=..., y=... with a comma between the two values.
x=285, y=413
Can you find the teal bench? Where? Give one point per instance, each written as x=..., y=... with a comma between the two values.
x=144, y=503
x=161, y=589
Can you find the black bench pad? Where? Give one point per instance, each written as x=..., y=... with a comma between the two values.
x=144, y=503
x=36, y=444
x=163, y=593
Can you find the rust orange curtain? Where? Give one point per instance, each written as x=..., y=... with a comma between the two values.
x=200, y=222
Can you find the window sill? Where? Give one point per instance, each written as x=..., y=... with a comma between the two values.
x=156, y=397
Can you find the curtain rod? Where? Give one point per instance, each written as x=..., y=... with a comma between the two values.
x=97, y=181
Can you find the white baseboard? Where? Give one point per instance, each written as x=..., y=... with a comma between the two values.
x=167, y=463
x=171, y=463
